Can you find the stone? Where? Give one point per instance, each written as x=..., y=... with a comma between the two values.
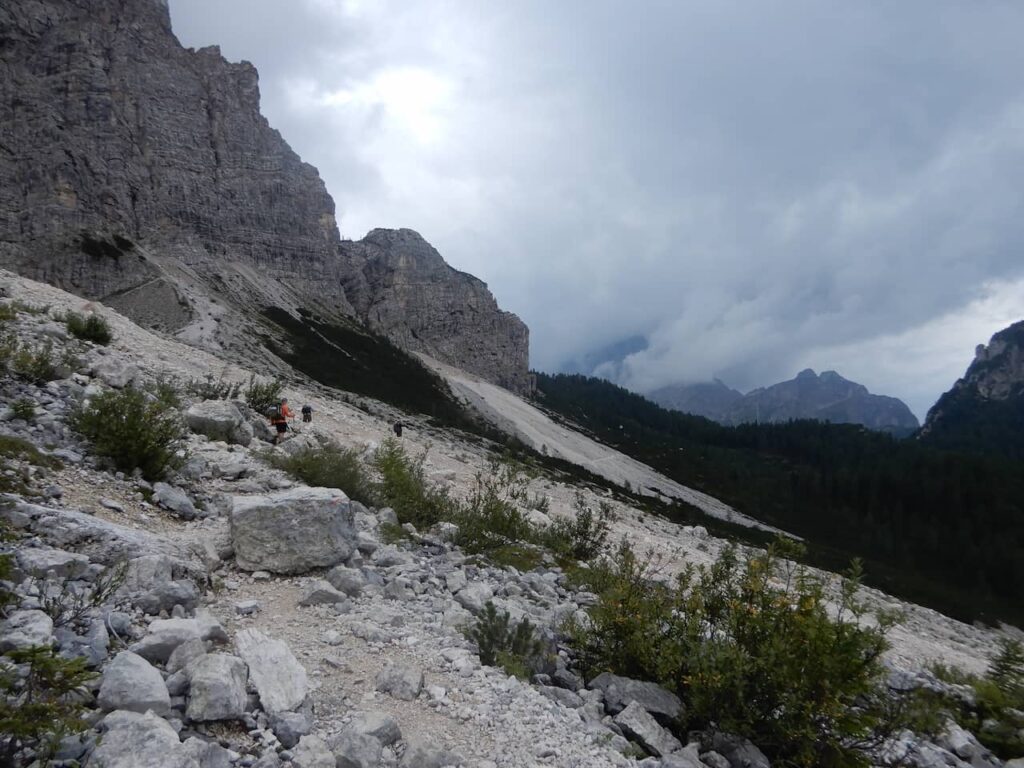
x=164, y=636
x=637, y=723
x=115, y=373
x=47, y=561
x=714, y=760
x=620, y=691
x=347, y=580
x=132, y=740
x=312, y=752
x=167, y=595
x=209, y=627
x=382, y=726
x=740, y=752
x=208, y=754
x=356, y=750
x=24, y=629
x=420, y=753
x=177, y=683
x=247, y=607
x=131, y=683
x=292, y=531
x=274, y=672
x=185, y=654
x=561, y=695
x=219, y=420
x=289, y=727
x=175, y=500
x=688, y=757
x=320, y=592
x=474, y=596
x=216, y=688
x=148, y=572
x=401, y=681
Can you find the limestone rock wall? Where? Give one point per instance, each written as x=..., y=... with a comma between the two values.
x=142, y=173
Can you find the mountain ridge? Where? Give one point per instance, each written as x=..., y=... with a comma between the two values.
x=143, y=173
x=825, y=397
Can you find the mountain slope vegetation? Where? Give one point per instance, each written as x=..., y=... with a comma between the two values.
x=943, y=528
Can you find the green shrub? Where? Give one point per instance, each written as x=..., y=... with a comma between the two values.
x=37, y=364
x=583, y=536
x=331, y=467
x=167, y=392
x=23, y=408
x=750, y=646
x=491, y=516
x=133, y=429
x=42, y=704
x=403, y=486
x=209, y=388
x=261, y=395
x=515, y=649
x=7, y=312
x=90, y=327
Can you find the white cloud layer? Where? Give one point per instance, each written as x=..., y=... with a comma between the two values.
x=753, y=187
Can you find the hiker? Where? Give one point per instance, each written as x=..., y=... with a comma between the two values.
x=398, y=428
x=307, y=413
x=279, y=416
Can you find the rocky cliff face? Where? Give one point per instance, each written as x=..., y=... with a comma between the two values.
x=984, y=411
x=828, y=397
x=401, y=287
x=142, y=173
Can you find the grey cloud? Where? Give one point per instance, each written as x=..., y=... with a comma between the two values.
x=741, y=183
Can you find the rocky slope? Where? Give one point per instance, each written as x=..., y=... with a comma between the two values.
x=825, y=397
x=141, y=173
x=984, y=410
x=238, y=639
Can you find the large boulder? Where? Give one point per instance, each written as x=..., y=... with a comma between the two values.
x=382, y=726
x=164, y=636
x=292, y=531
x=637, y=723
x=133, y=740
x=24, y=629
x=174, y=499
x=219, y=420
x=216, y=688
x=740, y=752
x=131, y=683
x=42, y=562
x=620, y=691
x=276, y=675
x=355, y=750
x=312, y=752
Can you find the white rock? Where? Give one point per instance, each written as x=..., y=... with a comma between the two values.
x=133, y=740
x=638, y=723
x=276, y=675
x=131, y=683
x=401, y=681
x=219, y=420
x=24, y=629
x=216, y=687
x=312, y=752
x=292, y=531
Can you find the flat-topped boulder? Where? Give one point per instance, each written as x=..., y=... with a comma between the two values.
x=292, y=531
x=279, y=679
x=219, y=420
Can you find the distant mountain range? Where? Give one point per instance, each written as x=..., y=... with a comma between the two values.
x=825, y=397
x=984, y=411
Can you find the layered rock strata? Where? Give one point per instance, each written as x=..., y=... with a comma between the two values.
x=142, y=173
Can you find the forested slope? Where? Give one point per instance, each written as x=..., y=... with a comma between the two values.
x=942, y=528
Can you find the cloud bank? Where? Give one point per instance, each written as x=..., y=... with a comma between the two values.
x=754, y=188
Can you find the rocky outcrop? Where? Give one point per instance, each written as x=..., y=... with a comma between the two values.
x=142, y=173
x=984, y=410
x=824, y=397
x=401, y=287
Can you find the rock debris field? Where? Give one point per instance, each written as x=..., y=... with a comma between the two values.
x=238, y=637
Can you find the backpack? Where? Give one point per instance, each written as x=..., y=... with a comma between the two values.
x=274, y=411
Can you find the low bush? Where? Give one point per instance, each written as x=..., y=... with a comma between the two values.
x=90, y=327
x=209, y=388
x=331, y=467
x=37, y=364
x=41, y=703
x=7, y=312
x=403, y=486
x=261, y=395
x=582, y=537
x=491, y=516
x=23, y=408
x=750, y=646
x=133, y=429
x=515, y=649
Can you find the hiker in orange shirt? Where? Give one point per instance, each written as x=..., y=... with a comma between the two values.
x=279, y=419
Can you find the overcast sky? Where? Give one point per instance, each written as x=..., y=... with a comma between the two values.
x=756, y=188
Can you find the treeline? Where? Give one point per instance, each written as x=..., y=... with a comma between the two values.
x=941, y=528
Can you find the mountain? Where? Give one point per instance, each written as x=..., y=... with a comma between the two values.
x=984, y=411
x=712, y=400
x=142, y=173
x=825, y=397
